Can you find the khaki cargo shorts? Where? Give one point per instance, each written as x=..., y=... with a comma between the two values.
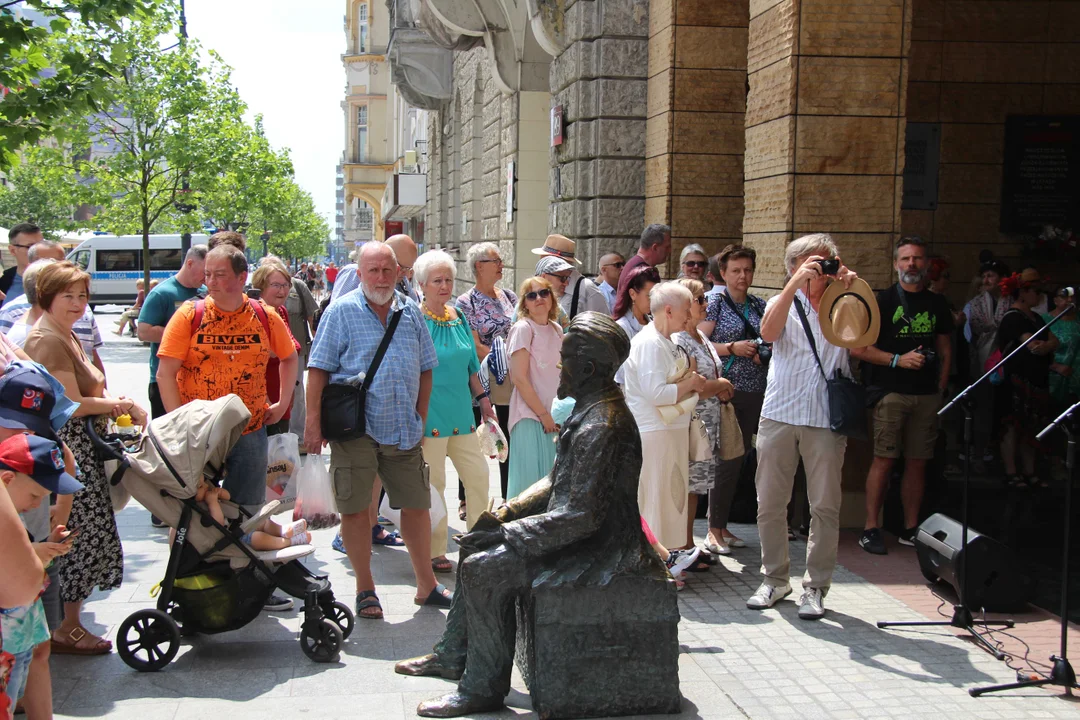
x=906, y=425
x=354, y=465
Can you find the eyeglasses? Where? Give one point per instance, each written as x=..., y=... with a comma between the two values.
x=542, y=294
x=700, y=300
x=279, y=286
x=497, y=261
x=21, y=247
x=696, y=263
x=619, y=265
x=406, y=268
x=560, y=278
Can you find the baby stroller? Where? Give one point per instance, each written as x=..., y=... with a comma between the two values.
x=214, y=582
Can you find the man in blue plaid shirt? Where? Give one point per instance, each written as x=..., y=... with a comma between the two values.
x=396, y=409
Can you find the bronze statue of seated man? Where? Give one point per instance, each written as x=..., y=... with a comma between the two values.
x=579, y=526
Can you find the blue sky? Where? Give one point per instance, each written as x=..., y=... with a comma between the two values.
x=286, y=60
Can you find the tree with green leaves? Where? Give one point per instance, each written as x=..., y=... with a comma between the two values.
x=44, y=189
x=57, y=58
x=164, y=126
x=297, y=230
x=239, y=194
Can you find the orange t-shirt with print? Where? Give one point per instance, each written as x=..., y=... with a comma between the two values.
x=227, y=354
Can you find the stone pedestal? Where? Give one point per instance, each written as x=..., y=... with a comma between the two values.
x=601, y=651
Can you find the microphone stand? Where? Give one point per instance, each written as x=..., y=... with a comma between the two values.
x=1062, y=672
x=962, y=618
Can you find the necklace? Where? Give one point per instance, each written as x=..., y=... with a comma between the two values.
x=437, y=318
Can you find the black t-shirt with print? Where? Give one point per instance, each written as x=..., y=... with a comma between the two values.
x=927, y=316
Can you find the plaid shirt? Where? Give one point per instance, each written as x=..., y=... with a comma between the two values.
x=349, y=334
x=85, y=329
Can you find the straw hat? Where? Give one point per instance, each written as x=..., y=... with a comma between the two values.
x=559, y=246
x=850, y=317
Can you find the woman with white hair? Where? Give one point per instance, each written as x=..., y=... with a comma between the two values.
x=795, y=422
x=489, y=310
x=661, y=391
x=694, y=264
x=450, y=428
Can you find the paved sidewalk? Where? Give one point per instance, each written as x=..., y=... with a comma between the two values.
x=736, y=663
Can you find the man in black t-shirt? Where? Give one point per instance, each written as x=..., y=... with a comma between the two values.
x=908, y=369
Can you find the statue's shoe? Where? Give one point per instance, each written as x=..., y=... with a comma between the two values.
x=457, y=704
x=429, y=666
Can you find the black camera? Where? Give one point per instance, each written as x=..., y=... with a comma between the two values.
x=830, y=266
x=764, y=350
x=927, y=353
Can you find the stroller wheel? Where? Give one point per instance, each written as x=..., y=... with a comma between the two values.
x=148, y=640
x=342, y=616
x=321, y=641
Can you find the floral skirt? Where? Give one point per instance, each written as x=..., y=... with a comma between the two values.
x=96, y=558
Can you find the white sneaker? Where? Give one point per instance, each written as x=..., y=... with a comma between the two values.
x=767, y=596
x=679, y=560
x=812, y=604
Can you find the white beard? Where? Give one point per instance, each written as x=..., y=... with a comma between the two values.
x=379, y=297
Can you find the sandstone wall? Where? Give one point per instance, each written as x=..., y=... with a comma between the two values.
x=973, y=64
x=695, y=129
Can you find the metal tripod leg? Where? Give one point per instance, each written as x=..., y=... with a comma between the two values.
x=962, y=620
x=1062, y=674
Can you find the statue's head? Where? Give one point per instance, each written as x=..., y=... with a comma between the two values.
x=593, y=348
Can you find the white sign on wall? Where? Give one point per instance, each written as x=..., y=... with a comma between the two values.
x=510, y=192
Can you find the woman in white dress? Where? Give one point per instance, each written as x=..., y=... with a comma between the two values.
x=657, y=376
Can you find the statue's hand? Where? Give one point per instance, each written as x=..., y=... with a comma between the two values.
x=481, y=539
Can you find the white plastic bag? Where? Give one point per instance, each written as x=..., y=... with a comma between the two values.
x=492, y=441
x=438, y=509
x=315, y=496
x=282, y=464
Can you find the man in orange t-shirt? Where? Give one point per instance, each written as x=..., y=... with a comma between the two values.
x=227, y=353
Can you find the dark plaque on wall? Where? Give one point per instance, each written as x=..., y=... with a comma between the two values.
x=922, y=148
x=1041, y=181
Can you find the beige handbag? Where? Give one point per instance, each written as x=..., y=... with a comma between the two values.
x=731, y=439
x=701, y=443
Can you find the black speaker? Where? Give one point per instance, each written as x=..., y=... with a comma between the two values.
x=994, y=579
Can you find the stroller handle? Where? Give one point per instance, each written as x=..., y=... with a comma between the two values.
x=107, y=450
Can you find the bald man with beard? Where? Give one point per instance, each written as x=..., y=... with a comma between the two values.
x=405, y=250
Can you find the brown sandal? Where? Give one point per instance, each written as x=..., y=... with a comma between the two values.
x=101, y=647
x=442, y=565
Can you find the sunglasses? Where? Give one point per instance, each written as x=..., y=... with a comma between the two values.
x=542, y=294
x=619, y=265
x=700, y=300
x=696, y=263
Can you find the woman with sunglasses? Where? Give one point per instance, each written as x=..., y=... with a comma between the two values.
x=694, y=264
x=632, y=306
x=534, y=346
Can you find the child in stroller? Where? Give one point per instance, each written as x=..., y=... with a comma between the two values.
x=216, y=579
x=269, y=536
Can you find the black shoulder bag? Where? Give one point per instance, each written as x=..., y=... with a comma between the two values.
x=574, y=300
x=847, y=398
x=343, y=404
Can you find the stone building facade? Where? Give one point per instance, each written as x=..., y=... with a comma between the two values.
x=759, y=121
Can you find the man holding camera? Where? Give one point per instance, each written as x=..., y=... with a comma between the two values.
x=907, y=372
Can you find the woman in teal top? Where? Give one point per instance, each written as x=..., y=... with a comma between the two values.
x=1065, y=372
x=451, y=429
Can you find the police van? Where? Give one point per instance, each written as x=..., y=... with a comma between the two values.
x=115, y=263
